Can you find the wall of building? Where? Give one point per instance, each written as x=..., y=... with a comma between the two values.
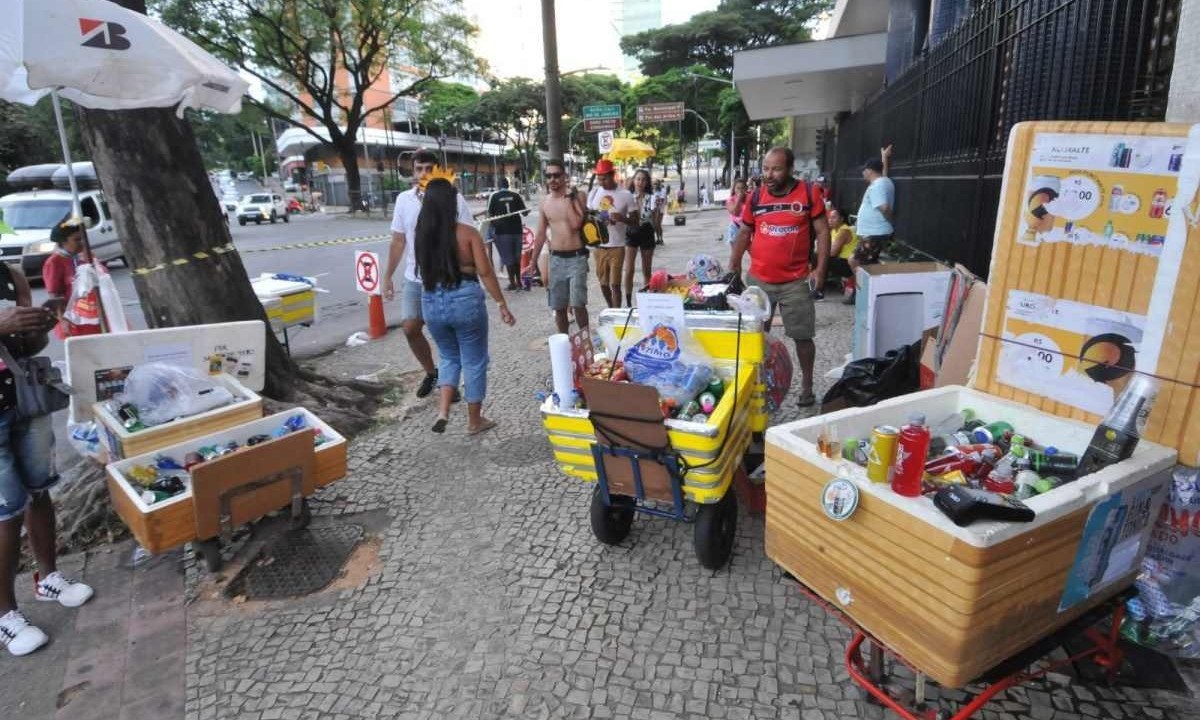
x=1183, y=104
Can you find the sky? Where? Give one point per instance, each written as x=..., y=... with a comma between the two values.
x=510, y=33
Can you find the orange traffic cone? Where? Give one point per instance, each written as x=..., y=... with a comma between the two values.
x=378, y=325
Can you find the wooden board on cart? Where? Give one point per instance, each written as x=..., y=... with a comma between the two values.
x=628, y=415
x=170, y=523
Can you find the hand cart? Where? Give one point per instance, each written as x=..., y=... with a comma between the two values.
x=645, y=464
x=870, y=674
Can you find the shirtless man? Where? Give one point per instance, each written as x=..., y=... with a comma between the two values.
x=562, y=213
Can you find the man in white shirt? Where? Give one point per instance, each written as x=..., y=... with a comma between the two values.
x=404, y=227
x=612, y=205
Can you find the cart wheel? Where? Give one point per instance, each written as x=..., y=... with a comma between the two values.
x=716, y=526
x=611, y=523
x=302, y=520
x=210, y=550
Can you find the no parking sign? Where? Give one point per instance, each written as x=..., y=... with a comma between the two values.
x=367, y=272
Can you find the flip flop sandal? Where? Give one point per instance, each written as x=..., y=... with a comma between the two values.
x=483, y=427
x=807, y=400
x=440, y=425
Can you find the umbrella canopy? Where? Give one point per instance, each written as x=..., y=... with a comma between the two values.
x=629, y=149
x=102, y=56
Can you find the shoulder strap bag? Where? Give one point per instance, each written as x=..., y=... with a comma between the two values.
x=39, y=387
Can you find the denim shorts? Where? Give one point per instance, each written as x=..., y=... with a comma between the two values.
x=410, y=300
x=26, y=461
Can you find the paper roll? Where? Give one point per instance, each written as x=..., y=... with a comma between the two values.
x=561, y=367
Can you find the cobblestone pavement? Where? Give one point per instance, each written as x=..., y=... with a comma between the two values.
x=491, y=599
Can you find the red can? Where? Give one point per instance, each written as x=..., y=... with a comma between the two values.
x=911, y=449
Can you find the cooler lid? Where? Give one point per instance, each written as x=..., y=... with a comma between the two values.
x=1095, y=273
x=96, y=362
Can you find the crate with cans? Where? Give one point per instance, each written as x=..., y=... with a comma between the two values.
x=961, y=528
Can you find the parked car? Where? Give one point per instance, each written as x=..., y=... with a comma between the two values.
x=245, y=176
x=257, y=207
x=33, y=213
x=485, y=193
x=291, y=186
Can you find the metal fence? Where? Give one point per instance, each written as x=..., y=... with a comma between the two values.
x=949, y=114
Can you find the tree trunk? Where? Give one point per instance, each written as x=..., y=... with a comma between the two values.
x=162, y=200
x=349, y=156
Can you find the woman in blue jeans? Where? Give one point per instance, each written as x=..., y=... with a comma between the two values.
x=454, y=269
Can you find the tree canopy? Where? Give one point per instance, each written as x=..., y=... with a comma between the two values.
x=446, y=104
x=710, y=38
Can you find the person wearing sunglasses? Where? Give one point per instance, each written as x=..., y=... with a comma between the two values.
x=561, y=217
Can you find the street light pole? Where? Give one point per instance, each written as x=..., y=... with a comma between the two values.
x=732, y=125
x=706, y=132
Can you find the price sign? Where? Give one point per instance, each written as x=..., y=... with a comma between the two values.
x=1079, y=198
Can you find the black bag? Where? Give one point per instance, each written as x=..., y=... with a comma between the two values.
x=37, y=385
x=867, y=381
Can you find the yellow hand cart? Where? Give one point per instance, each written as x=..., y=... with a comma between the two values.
x=669, y=468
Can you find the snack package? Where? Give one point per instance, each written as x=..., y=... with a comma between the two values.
x=671, y=362
x=777, y=372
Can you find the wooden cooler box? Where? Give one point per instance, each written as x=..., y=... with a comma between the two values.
x=236, y=478
x=1093, y=278
x=121, y=443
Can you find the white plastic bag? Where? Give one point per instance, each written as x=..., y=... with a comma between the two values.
x=110, y=298
x=82, y=306
x=162, y=393
x=672, y=361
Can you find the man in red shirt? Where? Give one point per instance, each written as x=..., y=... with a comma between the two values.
x=779, y=223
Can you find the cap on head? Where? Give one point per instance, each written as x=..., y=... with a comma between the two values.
x=604, y=167
x=875, y=165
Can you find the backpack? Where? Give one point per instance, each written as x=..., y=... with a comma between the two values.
x=592, y=232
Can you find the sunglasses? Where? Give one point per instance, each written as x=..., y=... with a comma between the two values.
x=555, y=175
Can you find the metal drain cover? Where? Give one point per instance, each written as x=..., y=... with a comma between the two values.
x=297, y=563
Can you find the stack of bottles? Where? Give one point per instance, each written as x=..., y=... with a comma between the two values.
x=962, y=449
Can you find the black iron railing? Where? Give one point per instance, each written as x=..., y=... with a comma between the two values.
x=950, y=112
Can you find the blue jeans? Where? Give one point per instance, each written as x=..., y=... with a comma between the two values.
x=26, y=466
x=457, y=319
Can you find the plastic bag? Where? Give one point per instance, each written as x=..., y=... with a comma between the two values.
x=671, y=362
x=867, y=381
x=83, y=308
x=163, y=392
x=114, y=309
x=1166, y=613
x=777, y=371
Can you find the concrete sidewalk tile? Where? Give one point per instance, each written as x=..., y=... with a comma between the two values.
x=163, y=676
x=161, y=706
x=86, y=702
x=149, y=649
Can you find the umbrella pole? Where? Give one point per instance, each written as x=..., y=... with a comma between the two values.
x=75, y=206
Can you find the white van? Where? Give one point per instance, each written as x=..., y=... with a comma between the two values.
x=33, y=212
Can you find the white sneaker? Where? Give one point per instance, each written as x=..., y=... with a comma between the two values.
x=57, y=588
x=18, y=635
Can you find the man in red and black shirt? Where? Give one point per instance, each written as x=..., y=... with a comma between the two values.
x=780, y=221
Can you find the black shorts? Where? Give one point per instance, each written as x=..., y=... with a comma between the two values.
x=870, y=247
x=838, y=268
x=642, y=237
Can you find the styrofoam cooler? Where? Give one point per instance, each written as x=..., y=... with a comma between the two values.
x=955, y=601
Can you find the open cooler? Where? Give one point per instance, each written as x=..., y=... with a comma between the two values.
x=956, y=601
x=255, y=480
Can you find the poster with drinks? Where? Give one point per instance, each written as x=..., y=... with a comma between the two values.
x=1114, y=539
x=1101, y=190
x=1096, y=258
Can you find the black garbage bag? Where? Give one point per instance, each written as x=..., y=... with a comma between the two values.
x=867, y=381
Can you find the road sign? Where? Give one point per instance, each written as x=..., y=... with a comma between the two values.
x=601, y=112
x=605, y=139
x=710, y=145
x=366, y=272
x=601, y=124
x=660, y=112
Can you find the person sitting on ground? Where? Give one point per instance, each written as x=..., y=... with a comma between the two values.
x=454, y=270
x=26, y=476
x=844, y=241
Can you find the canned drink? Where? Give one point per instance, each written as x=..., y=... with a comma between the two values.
x=882, y=454
x=691, y=408
x=716, y=386
x=708, y=402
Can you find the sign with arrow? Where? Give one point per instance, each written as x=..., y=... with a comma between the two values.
x=710, y=145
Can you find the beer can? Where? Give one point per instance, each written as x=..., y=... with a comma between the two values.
x=882, y=453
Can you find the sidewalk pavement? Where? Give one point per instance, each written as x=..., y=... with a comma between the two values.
x=485, y=594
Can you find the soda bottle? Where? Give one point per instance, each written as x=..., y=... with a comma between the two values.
x=1027, y=484
x=967, y=459
x=1000, y=480
x=911, y=450
x=1119, y=432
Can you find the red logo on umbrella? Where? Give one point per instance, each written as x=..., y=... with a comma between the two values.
x=104, y=35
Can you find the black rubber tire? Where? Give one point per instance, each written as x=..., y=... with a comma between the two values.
x=286, y=219
x=210, y=551
x=611, y=523
x=716, y=527
x=258, y=221
x=273, y=217
x=242, y=222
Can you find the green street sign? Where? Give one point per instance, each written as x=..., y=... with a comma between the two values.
x=601, y=112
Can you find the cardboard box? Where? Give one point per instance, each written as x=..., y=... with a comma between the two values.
x=949, y=356
x=955, y=601
x=896, y=303
x=172, y=522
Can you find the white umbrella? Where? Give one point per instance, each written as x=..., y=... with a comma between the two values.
x=103, y=56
